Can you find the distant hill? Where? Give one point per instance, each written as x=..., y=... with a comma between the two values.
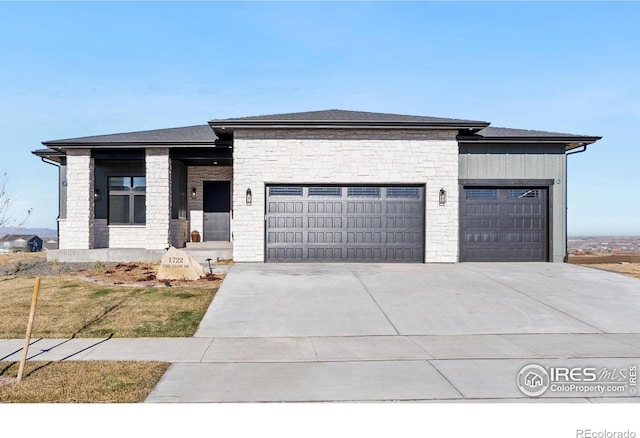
x=41, y=232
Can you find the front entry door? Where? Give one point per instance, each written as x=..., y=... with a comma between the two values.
x=217, y=208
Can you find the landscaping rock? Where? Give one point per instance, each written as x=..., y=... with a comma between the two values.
x=179, y=265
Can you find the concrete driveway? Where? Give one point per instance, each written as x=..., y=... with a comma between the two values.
x=376, y=332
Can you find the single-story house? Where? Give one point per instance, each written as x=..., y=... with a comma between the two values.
x=21, y=242
x=336, y=186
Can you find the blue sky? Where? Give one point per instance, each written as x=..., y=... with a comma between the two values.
x=88, y=68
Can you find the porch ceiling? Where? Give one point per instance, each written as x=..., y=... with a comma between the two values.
x=203, y=156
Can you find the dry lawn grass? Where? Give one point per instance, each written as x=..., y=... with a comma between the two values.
x=70, y=306
x=630, y=269
x=21, y=257
x=123, y=301
x=81, y=382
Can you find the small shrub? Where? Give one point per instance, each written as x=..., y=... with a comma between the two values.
x=18, y=266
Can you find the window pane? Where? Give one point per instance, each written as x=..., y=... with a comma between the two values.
x=325, y=191
x=139, y=211
x=482, y=193
x=118, y=209
x=139, y=183
x=285, y=191
x=120, y=183
x=373, y=192
x=524, y=193
x=403, y=192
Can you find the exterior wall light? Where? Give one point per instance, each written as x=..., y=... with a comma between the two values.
x=442, y=197
x=249, y=197
x=97, y=195
x=193, y=193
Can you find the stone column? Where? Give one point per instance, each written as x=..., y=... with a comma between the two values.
x=158, y=200
x=442, y=221
x=76, y=232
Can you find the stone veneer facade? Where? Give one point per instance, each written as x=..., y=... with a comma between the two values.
x=266, y=156
x=345, y=157
x=76, y=230
x=158, y=204
x=80, y=230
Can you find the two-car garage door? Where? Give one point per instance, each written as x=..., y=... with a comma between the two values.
x=314, y=223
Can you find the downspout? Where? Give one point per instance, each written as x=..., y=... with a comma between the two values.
x=566, y=202
x=53, y=163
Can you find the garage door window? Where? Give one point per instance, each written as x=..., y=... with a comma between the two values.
x=403, y=192
x=482, y=193
x=367, y=192
x=325, y=191
x=285, y=191
x=524, y=193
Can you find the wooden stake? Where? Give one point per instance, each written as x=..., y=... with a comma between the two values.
x=27, y=339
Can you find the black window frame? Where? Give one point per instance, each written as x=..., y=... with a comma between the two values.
x=132, y=194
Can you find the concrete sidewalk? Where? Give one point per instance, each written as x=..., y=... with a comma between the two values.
x=362, y=368
x=329, y=349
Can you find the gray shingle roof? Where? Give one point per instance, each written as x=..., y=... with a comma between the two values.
x=342, y=117
x=188, y=134
x=495, y=132
x=506, y=135
x=205, y=135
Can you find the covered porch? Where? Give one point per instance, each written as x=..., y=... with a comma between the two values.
x=131, y=196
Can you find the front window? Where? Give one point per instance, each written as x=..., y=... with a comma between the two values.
x=127, y=200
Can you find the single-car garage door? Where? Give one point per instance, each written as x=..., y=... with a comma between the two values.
x=315, y=223
x=504, y=224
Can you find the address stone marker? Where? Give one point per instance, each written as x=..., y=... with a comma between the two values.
x=179, y=265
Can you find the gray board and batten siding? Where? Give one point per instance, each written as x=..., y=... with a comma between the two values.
x=522, y=165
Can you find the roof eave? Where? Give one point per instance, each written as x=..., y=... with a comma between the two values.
x=570, y=142
x=49, y=154
x=227, y=126
x=128, y=144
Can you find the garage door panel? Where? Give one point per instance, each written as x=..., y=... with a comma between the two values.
x=504, y=224
x=346, y=223
x=524, y=210
x=520, y=223
x=524, y=238
x=355, y=254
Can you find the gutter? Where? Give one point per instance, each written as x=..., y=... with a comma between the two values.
x=566, y=201
x=53, y=163
x=536, y=140
x=584, y=148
